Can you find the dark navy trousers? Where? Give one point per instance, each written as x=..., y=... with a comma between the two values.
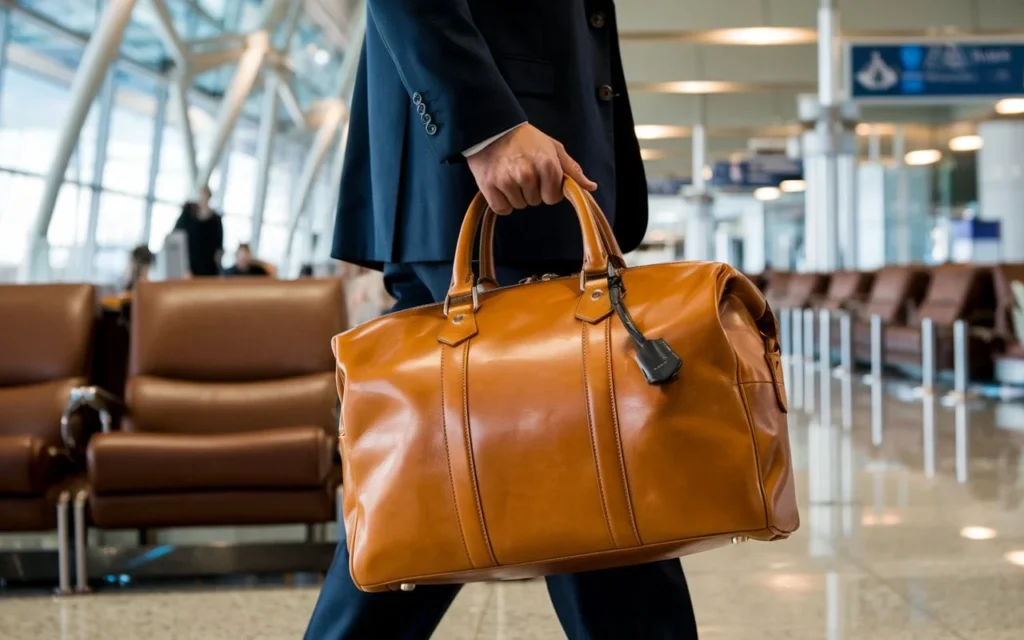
x=642, y=602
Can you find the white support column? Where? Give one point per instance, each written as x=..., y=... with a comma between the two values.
x=336, y=117
x=288, y=98
x=828, y=98
x=106, y=108
x=1001, y=183
x=264, y=158
x=99, y=54
x=169, y=36
x=314, y=160
x=698, y=239
x=234, y=100
x=902, y=207
x=179, y=102
x=160, y=122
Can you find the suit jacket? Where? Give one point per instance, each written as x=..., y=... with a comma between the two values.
x=437, y=77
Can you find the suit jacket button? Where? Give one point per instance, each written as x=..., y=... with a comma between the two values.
x=421, y=108
x=605, y=92
x=417, y=98
x=597, y=19
x=425, y=118
x=431, y=129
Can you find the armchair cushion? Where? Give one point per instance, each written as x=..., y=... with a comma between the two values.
x=25, y=465
x=291, y=457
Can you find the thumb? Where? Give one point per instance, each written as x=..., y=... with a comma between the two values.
x=572, y=169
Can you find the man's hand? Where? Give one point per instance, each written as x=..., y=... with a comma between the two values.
x=524, y=168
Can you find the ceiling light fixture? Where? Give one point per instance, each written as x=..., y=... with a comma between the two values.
x=1010, y=106
x=922, y=157
x=966, y=143
x=767, y=194
x=660, y=131
x=652, y=154
x=322, y=57
x=793, y=186
x=760, y=36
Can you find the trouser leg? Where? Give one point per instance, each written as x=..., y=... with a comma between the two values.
x=649, y=601
x=343, y=612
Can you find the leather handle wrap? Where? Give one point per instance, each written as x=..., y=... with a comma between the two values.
x=595, y=251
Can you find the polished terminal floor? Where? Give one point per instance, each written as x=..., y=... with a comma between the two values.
x=920, y=537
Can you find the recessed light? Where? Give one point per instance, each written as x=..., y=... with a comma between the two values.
x=1010, y=106
x=660, y=131
x=793, y=186
x=922, y=157
x=966, y=143
x=766, y=194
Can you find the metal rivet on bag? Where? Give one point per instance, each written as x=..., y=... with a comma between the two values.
x=597, y=294
x=405, y=586
x=739, y=539
x=457, y=319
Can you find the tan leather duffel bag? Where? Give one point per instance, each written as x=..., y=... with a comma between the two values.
x=621, y=416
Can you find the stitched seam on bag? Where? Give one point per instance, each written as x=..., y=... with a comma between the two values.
x=448, y=456
x=593, y=439
x=753, y=439
x=615, y=423
x=469, y=453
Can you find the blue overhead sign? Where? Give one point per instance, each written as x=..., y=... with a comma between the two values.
x=948, y=70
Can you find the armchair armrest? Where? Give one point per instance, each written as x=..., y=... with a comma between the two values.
x=102, y=402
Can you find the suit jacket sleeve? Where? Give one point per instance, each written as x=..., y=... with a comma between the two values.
x=442, y=56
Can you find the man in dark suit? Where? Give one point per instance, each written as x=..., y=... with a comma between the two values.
x=453, y=96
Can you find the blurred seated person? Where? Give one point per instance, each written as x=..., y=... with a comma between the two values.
x=139, y=264
x=245, y=265
x=205, y=231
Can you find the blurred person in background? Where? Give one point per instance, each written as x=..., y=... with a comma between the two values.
x=244, y=264
x=205, y=231
x=139, y=264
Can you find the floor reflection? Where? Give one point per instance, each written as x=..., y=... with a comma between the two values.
x=912, y=528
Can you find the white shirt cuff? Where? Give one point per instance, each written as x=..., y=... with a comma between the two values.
x=477, y=148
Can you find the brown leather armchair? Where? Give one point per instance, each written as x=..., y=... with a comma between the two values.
x=775, y=287
x=895, y=291
x=229, y=409
x=1010, y=361
x=45, y=338
x=956, y=292
x=802, y=290
x=846, y=289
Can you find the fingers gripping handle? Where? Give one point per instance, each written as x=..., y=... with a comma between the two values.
x=595, y=250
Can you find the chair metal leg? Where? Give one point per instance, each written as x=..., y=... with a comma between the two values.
x=63, y=545
x=81, y=544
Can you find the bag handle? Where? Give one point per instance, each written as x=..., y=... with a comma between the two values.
x=488, y=275
x=595, y=250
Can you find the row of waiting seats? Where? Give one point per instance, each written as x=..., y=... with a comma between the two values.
x=903, y=297
x=227, y=415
